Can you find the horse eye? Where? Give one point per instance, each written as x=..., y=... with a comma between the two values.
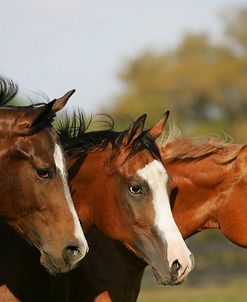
x=44, y=173
x=135, y=189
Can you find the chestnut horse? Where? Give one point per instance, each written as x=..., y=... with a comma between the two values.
x=208, y=190
x=126, y=185
x=119, y=185
x=35, y=197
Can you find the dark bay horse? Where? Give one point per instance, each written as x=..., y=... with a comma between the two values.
x=34, y=196
x=208, y=190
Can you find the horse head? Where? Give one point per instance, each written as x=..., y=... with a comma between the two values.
x=35, y=196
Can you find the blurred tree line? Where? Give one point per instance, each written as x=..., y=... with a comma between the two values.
x=202, y=82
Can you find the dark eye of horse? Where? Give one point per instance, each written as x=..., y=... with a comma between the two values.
x=44, y=173
x=135, y=189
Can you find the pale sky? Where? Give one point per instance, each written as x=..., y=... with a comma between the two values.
x=57, y=45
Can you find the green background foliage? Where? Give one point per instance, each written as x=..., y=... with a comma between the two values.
x=202, y=82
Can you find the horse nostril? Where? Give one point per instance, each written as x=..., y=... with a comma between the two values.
x=71, y=254
x=175, y=267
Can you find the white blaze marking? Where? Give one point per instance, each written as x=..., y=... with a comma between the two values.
x=156, y=176
x=60, y=164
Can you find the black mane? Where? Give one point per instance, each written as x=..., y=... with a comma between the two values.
x=8, y=90
x=72, y=130
x=77, y=140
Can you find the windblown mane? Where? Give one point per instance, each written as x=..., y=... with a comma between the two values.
x=8, y=90
x=72, y=129
x=76, y=139
x=180, y=148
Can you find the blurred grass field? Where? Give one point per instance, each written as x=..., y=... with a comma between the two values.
x=233, y=292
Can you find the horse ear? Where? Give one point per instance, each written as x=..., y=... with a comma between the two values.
x=58, y=104
x=134, y=131
x=159, y=127
x=25, y=123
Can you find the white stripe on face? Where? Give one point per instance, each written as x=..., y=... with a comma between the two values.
x=156, y=177
x=60, y=165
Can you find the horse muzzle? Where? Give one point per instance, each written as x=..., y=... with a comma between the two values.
x=171, y=263
x=68, y=260
x=176, y=274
